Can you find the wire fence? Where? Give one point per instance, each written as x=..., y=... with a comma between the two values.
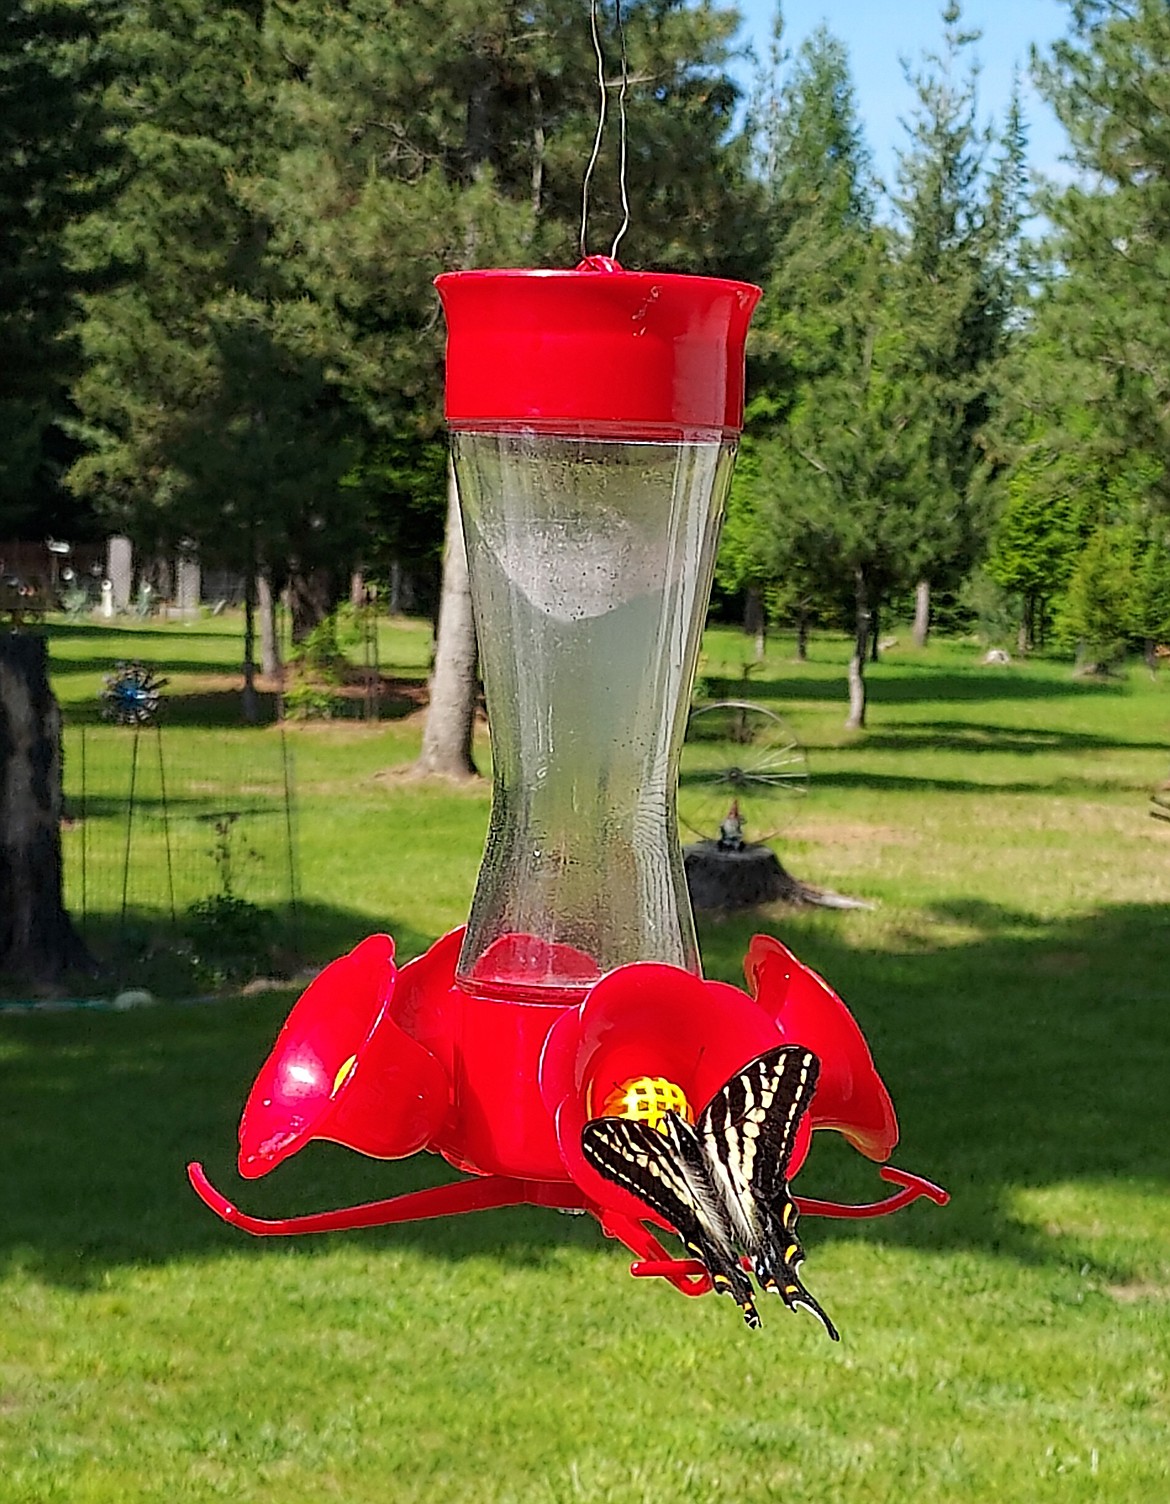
x=175, y=849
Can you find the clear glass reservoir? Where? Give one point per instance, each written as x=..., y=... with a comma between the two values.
x=591, y=561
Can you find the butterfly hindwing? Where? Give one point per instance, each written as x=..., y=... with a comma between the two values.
x=749, y=1129
x=723, y=1184
x=777, y=1264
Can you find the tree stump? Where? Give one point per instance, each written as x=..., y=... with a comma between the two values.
x=37, y=940
x=722, y=877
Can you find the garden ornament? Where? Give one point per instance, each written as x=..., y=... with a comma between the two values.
x=131, y=695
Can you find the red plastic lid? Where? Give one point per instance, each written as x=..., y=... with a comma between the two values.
x=638, y=353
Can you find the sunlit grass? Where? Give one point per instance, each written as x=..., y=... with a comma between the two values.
x=1011, y=977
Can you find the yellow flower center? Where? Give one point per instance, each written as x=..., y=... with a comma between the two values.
x=647, y=1099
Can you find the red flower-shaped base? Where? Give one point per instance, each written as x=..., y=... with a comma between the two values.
x=390, y=1061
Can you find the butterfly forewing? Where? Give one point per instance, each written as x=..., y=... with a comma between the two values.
x=639, y=1159
x=749, y=1126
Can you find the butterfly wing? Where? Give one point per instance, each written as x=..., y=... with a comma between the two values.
x=668, y=1172
x=777, y=1263
x=747, y=1131
x=723, y=1184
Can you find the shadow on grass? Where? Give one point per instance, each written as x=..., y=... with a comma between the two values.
x=176, y=957
x=1074, y=783
x=976, y=737
x=103, y=631
x=1031, y=1056
x=222, y=709
x=915, y=683
x=207, y=710
x=104, y=663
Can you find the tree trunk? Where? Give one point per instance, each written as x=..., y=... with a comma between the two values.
x=270, y=664
x=801, y=635
x=718, y=879
x=251, y=703
x=856, y=717
x=875, y=627
x=754, y=620
x=1024, y=635
x=310, y=600
x=394, y=604
x=537, y=149
x=921, y=613
x=37, y=940
x=446, y=747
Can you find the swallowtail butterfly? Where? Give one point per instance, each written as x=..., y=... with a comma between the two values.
x=722, y=1183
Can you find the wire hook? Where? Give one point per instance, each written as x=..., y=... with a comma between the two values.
x=602, y=110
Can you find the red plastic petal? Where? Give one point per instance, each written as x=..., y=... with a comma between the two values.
x=343, y=1069
x=644, y=1019
x=425, y=1000
x=850, y=1097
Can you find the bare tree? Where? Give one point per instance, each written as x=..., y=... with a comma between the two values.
x=921, y=613
x=266, y=599
x=446, y=747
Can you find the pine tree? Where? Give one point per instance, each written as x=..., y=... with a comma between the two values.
x=1093, y=617
x=1039, y=534
x=958, y=284
x=57, y=162
x=302, y=173
x=188, y=95
x=207, y=352
x=817, y=217
x=1149, y=603
x=440, y=138
x=1109, y=83
x=1092, y=391
x=825, y=511
x=856, y=460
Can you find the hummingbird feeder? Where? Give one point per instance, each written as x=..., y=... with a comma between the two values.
x=594, y=416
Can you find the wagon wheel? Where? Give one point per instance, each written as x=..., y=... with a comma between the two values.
x=739, y=759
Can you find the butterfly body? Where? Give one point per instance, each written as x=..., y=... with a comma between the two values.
x=722, y=1182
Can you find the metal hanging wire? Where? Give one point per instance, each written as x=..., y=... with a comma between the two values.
x=602, y=110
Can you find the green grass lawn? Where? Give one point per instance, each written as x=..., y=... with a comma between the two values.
x=1012, y=977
